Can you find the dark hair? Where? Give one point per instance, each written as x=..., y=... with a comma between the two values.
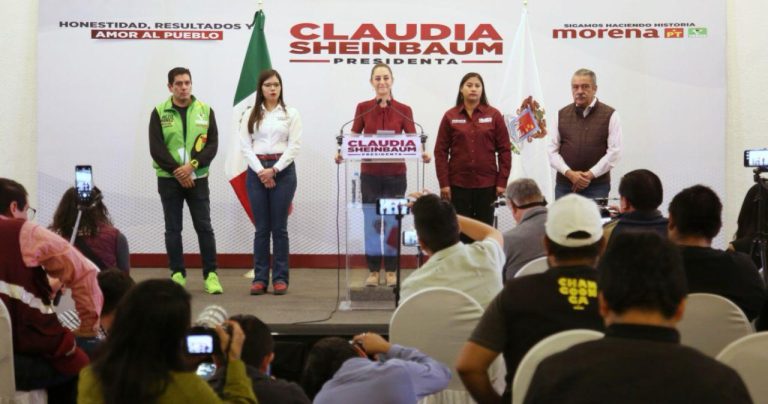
x=696, y=211
x=114, y=284
x=145, y=343
x=177, y=71
x=324, y=359
x=460, y=98
x=258, y=339
x=563, y=253
x=93, y=217
x=254, y=120
x=746, y=224
x=436, y=223
x=642, y=188
x=11, y=191
x=642, y=271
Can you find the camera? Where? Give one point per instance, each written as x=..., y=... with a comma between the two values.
x=202, y=341
x=392, y=206
x=84, y=184
x=756, y=158
x=410, y=238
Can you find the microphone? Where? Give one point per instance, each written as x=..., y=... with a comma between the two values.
x=423, y=136
x=341, y=130
x=211, y=316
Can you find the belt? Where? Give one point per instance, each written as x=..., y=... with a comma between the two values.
x=269, y=157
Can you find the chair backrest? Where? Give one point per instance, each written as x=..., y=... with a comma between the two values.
x=548, y=346
x=437, y=321
x=7, y=376
x=749, y=357
x=536, y=266
x=711, y=322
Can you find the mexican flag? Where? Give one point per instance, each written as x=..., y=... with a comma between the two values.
x=256, y=60
x=521, y=80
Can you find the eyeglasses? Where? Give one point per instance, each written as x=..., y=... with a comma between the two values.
x=31, y=212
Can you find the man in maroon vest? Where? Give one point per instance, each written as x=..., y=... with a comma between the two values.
x=45, y=353
x=587, y=142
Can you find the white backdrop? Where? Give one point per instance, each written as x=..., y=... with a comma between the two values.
x=95, y=95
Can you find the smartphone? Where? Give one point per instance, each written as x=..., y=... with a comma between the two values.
x=410, y=238
x=392, y=206
x=756, y=158
x=84, y=183
x=201, y=342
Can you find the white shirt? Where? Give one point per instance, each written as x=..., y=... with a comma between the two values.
x=612, y=153
x=474, y=269
x=279, y=132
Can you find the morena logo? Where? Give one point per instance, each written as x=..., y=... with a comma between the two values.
x=441, y=43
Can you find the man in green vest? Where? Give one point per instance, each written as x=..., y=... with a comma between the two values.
x=183, y=139
x=586, y=144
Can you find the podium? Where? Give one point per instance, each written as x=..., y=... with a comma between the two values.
x=387, y=166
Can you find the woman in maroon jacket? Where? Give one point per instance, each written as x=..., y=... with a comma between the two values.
x=472, y=152
x=381, y=180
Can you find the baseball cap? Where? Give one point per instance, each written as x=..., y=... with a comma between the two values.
x=574, y=221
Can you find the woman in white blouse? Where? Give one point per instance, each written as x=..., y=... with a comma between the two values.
x=270, y=139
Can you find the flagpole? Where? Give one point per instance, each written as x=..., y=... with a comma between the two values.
x=260, y=5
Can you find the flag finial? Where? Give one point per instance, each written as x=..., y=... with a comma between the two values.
x=261, y=5
x=525, y=3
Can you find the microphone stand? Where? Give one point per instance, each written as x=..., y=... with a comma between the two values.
x=396, y=290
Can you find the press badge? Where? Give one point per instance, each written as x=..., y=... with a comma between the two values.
x=486, y=120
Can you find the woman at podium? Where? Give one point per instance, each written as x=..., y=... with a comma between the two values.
x=381, y=180
x=472, y=152
x=270, y=139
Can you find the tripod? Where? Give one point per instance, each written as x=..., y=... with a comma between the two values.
x=761, y=238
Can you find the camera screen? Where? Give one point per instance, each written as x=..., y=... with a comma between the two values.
x=199, y=344
x=83, y=182
x=756, y=158
x=390, y=206
x=410, y=238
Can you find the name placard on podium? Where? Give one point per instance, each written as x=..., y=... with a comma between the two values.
x=380, y=147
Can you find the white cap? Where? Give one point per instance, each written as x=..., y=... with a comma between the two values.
x=570, y=215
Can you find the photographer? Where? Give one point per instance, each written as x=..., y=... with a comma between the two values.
x=97, y=238
x=142, y=361
x=338, y=371
x=474, y=269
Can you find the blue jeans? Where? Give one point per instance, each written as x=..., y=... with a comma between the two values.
x=592, y=191
x=173, y=195
x=270, y=214
x=372, y=188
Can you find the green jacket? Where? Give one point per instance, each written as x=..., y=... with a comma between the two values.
x=183, y=149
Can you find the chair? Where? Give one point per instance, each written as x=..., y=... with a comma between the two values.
x=8, y=393
x=748, y=356
x=536, y=266
x=438, y=321
x=711, y=322
x=548, y=346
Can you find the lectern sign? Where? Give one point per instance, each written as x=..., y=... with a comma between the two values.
x=355, y=147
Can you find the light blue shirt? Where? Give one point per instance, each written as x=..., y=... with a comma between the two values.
x=403, y=375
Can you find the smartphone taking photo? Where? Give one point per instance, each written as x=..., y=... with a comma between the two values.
x=84, y=184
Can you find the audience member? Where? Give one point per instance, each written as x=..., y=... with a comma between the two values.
x=640, y=360
x=474, y=269
x=533, y=307
x=337, y=371
x=746, y=227
x=142, y=362
x=523, y=243
x=640, y=194
x=694, y=220
x=258, y=353
x=97, y=238
x=114, y=284
x=45, y=352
